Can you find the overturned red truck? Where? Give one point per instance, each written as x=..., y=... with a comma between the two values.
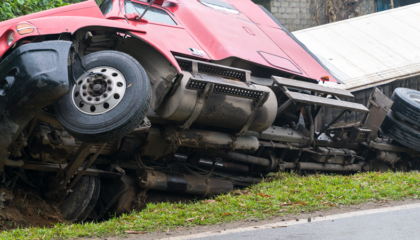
x=190, y=96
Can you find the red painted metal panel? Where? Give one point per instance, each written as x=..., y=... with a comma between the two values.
x=299, y=56
x=250, y=35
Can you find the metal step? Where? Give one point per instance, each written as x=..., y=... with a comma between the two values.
x=283, y=83
x=311, y=87
x=310, y=99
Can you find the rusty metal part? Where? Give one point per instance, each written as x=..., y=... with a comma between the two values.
x=287, y=165
x=109, y=149
x=311, y=129
x=155, y=145
x=52, y=167
x=379, y=105
x=4, y=202
x=111, y=191
x=183, y=183
x=275, y=133
x=273, y=162
x=56, y=147
x=14, y=163
x=64, y=175
x=143, y=127
x=49, y=146
x=226, y=165
x=197, y=138
x=304, y=166
x=283, y=107
x=221, y=110
x=87, y=165
x=242, y=158
x=331, y=123
x=125, y=202
x=348, y=134
x=324, y=140
x=381, y=145
x=376, y=166
x=388, y=157
x=128, y=147
x=332, y=155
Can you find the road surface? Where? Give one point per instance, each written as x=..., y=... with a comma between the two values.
x=400, y=222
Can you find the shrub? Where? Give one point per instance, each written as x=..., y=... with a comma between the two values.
x=15, y=8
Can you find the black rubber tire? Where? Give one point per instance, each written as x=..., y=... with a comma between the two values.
x=400, y=131
x=119, y=121
x=82, y=200
x=405, y=107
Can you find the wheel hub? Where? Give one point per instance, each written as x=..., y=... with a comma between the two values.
x=99, y=93
x=97, y=88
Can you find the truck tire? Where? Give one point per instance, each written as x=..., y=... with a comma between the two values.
x=82, y=200
x=108, y=105
x=400, y=131
x=407, y=105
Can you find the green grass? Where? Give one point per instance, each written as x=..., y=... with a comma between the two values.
x=282, y=195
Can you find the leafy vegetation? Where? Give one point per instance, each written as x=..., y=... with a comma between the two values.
x=281, y=194
x=15, y=8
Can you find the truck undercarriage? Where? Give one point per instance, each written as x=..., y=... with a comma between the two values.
x=96, y=116
x=213, y=131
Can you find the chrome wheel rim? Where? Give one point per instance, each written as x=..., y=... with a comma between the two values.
x=96, y=94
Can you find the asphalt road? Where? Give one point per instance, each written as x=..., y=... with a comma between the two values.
x=396, y=223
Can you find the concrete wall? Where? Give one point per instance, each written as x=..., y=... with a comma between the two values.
x=300, y=14
x=293, y=14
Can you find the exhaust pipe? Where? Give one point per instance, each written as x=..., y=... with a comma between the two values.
x=242, y=158
x=329, y=167
x=190, y=184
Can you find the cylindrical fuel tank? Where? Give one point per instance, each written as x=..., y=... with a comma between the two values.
x=219, y=110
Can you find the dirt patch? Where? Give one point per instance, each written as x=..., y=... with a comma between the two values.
x=27, y=209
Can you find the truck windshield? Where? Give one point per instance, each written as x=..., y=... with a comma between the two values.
x=153, y=14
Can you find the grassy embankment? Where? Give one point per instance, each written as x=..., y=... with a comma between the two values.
x=282, y=195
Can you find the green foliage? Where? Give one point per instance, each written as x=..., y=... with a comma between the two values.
x=15, y=8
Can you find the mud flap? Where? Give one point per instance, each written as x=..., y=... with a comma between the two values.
x=32, y=77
